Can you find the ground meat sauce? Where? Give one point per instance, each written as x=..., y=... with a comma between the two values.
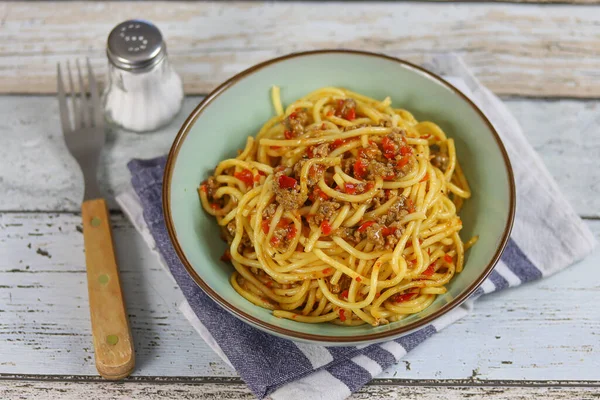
x=320, y=151
x=346, y=108
x=295, y=123
x=325, y=212
x=282, y=234
x=245, y=242
x=373, y=235
x=438, y=158
x=289, y=197
x=342, y=285
x=269, y=211
x=211, y=187
x=380, y=160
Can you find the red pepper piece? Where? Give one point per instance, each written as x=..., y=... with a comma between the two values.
x=288, y=134
x=291, y=233
x=226, y=256
x=400, y=298
x=389, y=148
x=351, y=114
x=430, y=270
x=350, y=188
x=402, y=162
x=337, y=143
x=203, y=188
x=342, y=315
x=360, y=168
x=265, y=226
x=405, y=150
x=410, y=206
x=388, y=231
x=245, y=176
x=344, y=294
x=448, y=258
x=365, y=225
x=325, y=227
x=287, y=182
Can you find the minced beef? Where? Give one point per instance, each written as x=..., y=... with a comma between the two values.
x=343, y=284
x=347, y=165
x=395, y=212
x=211, y=187
x=392, y=239
x=397, y=136
x=373, y=235
x=291, y=199
x=343, y=109
x=371, y=152
x=326, y=210
x=346, y=233
x=320, y=151
x=379, y=198
x=245, y=242
x=314, y=174
x=269, y=211
x=438, y=158
x=384, y=170
x=296, y=122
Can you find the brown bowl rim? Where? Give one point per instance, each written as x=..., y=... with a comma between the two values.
x=166, y=195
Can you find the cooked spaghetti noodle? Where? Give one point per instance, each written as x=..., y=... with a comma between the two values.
x=343, y=210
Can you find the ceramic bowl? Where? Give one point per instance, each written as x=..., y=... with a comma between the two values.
x=218, y=127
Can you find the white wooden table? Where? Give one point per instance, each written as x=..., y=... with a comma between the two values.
x=539, y=340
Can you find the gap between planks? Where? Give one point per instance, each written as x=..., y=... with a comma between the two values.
x=179, y=391
x=473, y=382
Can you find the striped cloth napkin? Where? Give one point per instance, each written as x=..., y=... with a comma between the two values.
x=547, y=237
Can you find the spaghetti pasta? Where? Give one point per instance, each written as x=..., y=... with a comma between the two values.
x=342, y=209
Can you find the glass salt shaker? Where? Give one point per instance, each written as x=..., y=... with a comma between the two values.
x=143, y=92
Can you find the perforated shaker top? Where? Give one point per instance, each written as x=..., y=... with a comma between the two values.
x=135, y=45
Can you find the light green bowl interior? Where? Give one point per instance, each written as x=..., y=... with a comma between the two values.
x=239, y=111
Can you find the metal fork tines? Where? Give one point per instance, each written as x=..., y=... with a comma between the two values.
x=83, y=126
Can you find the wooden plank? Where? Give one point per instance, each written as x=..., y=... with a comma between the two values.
x=37, y=173
x=180, y=391
x=209, y=42
x=44, y=317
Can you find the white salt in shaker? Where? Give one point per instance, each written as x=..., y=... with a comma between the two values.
x=143, y=91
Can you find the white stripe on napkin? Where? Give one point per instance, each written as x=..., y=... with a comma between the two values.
x=317, y=355
x=365, y=362
x=320, y=385
x=394, y=349
x=506, y=273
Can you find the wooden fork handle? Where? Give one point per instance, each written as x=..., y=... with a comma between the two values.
x=113, y=344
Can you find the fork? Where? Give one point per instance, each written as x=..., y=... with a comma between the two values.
x=84, y=136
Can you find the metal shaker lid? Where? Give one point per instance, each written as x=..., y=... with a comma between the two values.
x=135, y=45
